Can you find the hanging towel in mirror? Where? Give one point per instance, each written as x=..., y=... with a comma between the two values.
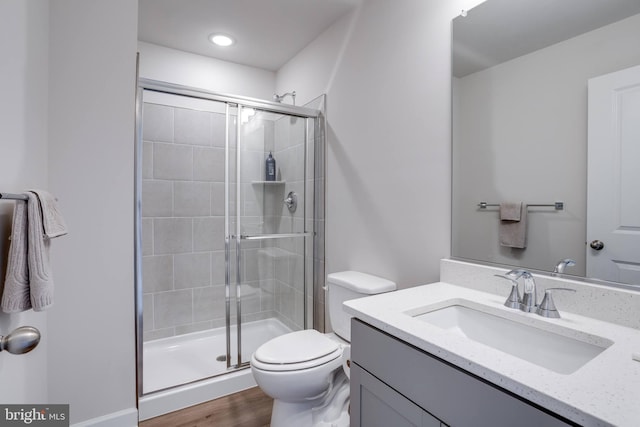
x=513, y=225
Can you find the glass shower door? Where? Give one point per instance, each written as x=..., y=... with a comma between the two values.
x=224, y=257
x=182, y=238
x=271, y=232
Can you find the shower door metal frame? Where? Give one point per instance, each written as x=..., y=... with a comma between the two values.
x=237, y=237
x=230, y=101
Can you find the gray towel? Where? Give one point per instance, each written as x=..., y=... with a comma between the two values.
x=52, y=221
x=513, y=225
x=16, y=284
x=29, y=283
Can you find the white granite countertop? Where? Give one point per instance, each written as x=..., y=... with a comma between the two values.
x=603, y=392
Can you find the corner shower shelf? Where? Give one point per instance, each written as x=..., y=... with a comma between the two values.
x=268, y=182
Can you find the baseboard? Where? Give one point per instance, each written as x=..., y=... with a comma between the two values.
x=124, y=418
x=163, y=402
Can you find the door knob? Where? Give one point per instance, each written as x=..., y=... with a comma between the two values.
x=597, y=245
x=22, y=340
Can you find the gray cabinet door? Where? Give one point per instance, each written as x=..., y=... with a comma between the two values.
x=374, y=404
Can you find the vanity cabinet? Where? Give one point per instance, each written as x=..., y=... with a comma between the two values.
x=396, y=384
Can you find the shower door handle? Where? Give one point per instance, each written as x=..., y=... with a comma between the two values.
x=274, y=236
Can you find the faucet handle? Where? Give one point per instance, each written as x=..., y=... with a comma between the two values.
x=547, y=308
x=518, y=273
x=514, y=300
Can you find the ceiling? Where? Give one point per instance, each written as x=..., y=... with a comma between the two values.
x=268, y=32
x=500, y=30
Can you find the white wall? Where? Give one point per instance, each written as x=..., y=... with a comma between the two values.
x=523, y=136
x=175, y=66
x=388, y=191
x=23, y=165
x=310, y=72
x=388, y=114
x=91, y=154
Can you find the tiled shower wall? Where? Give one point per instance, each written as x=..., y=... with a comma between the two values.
x=183, y=221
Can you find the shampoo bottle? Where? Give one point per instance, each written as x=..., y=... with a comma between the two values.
x=270, y=168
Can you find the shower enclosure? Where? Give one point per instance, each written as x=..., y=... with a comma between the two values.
x=226, y=259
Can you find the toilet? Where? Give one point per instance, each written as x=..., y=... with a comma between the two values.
x=306, y=372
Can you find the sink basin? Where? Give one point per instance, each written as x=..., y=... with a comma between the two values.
x=559, y=353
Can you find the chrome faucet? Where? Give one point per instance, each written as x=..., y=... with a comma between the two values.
x=528, y=303
x=562, y=264
x=529, y=299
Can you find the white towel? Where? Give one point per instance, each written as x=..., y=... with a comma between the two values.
x=29, y=282
x=513, y=225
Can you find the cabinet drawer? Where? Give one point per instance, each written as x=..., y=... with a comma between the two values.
x=449, y=393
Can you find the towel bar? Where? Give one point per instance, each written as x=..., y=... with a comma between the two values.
x=10, y=196
x=556, y=205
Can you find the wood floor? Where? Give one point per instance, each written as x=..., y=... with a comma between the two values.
x=249, y=408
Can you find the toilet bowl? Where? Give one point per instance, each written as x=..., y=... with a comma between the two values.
x=296, y=367
x=306, y=372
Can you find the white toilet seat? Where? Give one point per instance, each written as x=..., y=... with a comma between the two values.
x=296, y=351
x=285, y=367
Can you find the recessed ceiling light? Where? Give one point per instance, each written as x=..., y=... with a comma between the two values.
x=221, y=39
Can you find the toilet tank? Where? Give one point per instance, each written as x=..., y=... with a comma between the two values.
x=348, y=285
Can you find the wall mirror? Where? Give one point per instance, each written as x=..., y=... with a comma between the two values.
x=544, y=92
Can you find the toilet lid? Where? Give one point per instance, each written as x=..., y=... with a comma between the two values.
x=296, y=347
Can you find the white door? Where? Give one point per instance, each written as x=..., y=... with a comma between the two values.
x=613, y=195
